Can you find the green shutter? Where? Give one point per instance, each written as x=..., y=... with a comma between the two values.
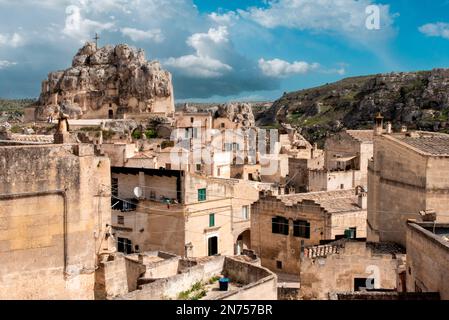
x=201, y=194
x=211, y=220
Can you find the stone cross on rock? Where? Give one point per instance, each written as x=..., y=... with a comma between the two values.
x=96, y=38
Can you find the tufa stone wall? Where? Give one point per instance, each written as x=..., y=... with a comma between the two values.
x=54, y=208
x=427, y=260
x=336, y=272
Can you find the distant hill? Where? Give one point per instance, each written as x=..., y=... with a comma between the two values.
x=419, y=100
x=15, y=105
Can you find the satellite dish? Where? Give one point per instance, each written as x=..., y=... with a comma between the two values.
x=138, y=192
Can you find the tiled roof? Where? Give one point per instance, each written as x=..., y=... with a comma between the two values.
x=385, y=248
x=332, y=201
x=432, y=143
x=362, y=135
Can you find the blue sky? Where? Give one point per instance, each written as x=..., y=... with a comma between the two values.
x=221, y=50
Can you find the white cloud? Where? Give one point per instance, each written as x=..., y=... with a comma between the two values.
x=140, y=35
x=347, y=17
x=280, y=68
x=80, y=28
x=439, y=29
x=218, y=35
x=15, y=40
x=6, y=64
x=223, y=19
x=103, y=5
x=205, y=62
x=203, y=67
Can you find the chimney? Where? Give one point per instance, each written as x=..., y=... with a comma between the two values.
x=363, y=200
x=389, y=128
x=378, y=129
x=62, y=134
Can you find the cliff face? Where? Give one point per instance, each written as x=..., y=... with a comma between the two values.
x=105, y=82
x=419, y=100
x=241, y=113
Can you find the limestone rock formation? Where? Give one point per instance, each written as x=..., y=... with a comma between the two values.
x=107, y=83
x=241, y=113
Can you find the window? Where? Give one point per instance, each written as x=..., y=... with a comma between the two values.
x=192, y=119
x=124, y=245
x=342, y=186
x=353, y=232
x=168, y=166
x=227, y=146
x=301, y=229
x=235, y=146
x=121, y=220
x=211, y=220
x=279, y=225
x=362, y=283
x=218, y=172
x=152, y=194
x=279, y=265
x=201, y=194
x=198, y=167
x=245, y=212
x=222, y=125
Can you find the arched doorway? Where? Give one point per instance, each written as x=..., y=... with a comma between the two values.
x=243, y=242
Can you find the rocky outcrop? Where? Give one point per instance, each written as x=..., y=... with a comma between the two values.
x=419, y=100
x=241, y=113
x=107, y=82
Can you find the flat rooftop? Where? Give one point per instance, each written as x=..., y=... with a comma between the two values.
x=332, y=201
x=437, y=232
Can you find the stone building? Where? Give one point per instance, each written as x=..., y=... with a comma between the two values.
x=179, y=212
x=346, y=162
x=54, y=220
x=350, y=266
x=300, y=170
x=407, y=175
x=282, y=225
x=428, y=258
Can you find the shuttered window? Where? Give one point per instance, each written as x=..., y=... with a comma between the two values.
x=201, y=194
x=301, y=229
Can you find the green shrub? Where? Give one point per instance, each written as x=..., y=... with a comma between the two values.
x=213, y=280
x=107, y=134
x=150, y=134
x=199, y=295
x=16, y=129
x=137, y=134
